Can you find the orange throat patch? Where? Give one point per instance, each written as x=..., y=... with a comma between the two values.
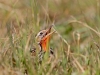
x=44, y=43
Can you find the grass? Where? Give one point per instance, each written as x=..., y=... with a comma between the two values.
x=75, y=41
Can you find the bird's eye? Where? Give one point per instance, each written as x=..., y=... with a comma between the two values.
x=41, y=33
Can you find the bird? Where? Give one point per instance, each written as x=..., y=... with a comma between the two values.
x=43, y=38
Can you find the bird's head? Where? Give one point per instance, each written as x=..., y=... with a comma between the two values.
x=43, y=38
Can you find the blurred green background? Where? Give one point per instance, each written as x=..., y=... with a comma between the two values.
x=76, y=43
